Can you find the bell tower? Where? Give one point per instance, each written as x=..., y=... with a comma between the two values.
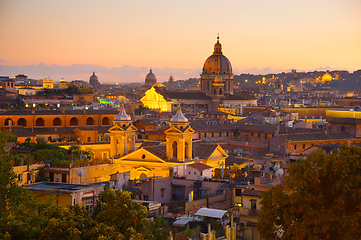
x=122, y=135
x=179, y=138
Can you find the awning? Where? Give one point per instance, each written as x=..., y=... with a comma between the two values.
x=208, y=212
x=184, y=220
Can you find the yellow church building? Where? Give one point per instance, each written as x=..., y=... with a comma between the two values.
x=157, y=159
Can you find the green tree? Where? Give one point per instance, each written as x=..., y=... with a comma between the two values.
x=320, y=199
x=17, y=208
x=121, y=212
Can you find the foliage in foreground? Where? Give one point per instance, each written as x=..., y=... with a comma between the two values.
x=319, y=200
x=24, y=217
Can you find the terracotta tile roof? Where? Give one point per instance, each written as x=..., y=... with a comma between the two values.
x=212, y=125
x=100, y=129
x=53, y=130
x=345, y=120
x=149, y=143
x=159, y=151
x=20, y=131
x=199, y=166
x=316, y=136
x=238, y=96
x=251, y=192
x=58, y=112
x=183, y=95
x=203, y=151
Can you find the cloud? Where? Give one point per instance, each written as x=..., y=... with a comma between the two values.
x=124, y=74
x=2, y=61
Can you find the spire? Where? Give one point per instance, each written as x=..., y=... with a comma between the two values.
x=150, y=70
x=217, y=47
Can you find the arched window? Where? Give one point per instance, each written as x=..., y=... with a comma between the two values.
x=22, y=122
x=129, y=145
x=220, y=91
x=39, y=122
x=215, y=91
x=174, y=146
x=186, y=150
x=90, y=121
x=142, y=175
x=343, y=129
x=105, y=121
x=74, y=121
x=8, y=122
x=56, y=122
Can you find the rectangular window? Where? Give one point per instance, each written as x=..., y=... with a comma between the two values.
x=145, y=197
x=294, y=147
x=63, y=178
x=205, y=135
x=89, y=139
x=251, y=134
x=253, y=204
x=105, y=155
x=20, y=177
x=212, y=134
x=303, y=146
x=265, y=136
x=238, y=192
x=88, y=204
x=246, y=137
x=227, y=134
x=220, y=134
x=259, y=135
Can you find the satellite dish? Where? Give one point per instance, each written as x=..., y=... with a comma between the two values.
x=80, y=172
x=196, y=159
x=276, y=167
x=279, y=173
x=259, y=167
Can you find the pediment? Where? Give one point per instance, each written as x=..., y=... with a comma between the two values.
x=218, y=153
x=142, y=155
x=131, y=128
x=173, y=130
x=115, y=128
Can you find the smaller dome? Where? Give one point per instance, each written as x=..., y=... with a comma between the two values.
x=150, y=76
x=93, y=77
x=122, y=116
x=179, y=117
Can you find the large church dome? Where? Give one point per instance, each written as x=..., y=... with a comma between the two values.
x=150, y=79
x=217, y=63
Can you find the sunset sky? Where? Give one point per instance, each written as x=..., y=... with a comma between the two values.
x=121, y=40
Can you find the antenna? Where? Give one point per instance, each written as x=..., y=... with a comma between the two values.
x=279, y=173
x=80, y=172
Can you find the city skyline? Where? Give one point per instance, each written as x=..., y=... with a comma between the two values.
x=120, y=41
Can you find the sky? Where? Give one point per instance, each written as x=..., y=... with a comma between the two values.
x=121, y=40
